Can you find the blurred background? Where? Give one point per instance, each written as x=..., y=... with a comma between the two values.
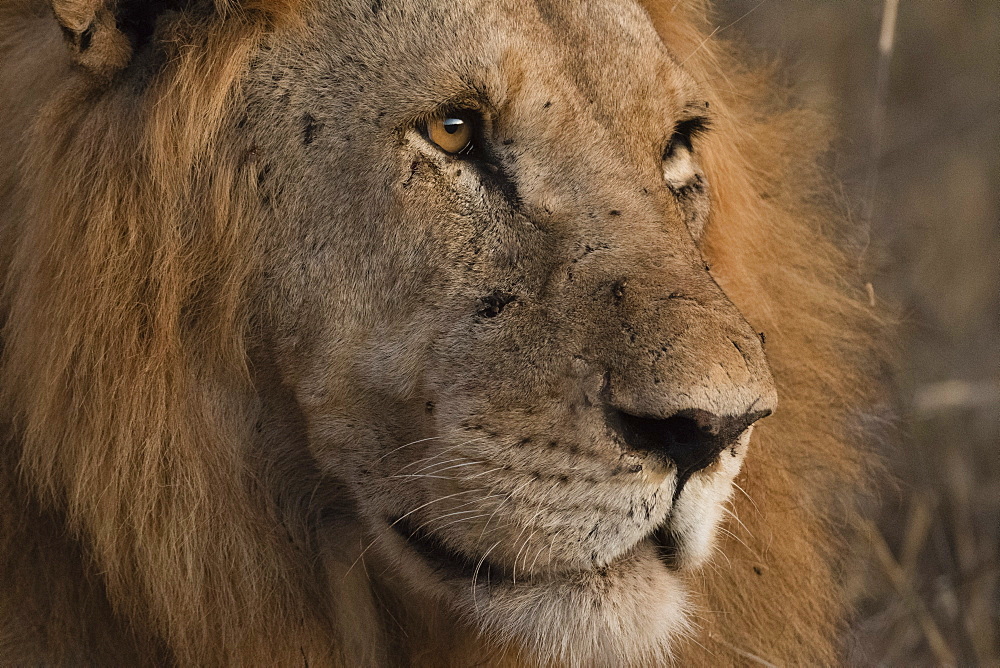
x=913, y=88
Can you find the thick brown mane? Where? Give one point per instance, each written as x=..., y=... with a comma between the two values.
x=129, y=237
x=123, y=304
x=770, y=244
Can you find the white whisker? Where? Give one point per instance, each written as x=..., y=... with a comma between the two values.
x=475, y=574
x=744, y=493
x=738, y=521
x=401, y=518
x=406, y=445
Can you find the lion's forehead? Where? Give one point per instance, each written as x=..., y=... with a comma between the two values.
x=603, y=58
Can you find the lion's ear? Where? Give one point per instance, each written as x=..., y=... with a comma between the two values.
x=103, y=35
x=93, y=32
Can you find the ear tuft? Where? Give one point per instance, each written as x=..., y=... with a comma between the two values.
x=93, y=36
x=104, y=34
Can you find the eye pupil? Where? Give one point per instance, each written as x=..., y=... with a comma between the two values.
x=453, y=125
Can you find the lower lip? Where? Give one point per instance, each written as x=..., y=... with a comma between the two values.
x=453, y=564
x=444, y=559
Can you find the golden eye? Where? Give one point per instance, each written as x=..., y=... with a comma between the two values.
x=453, y=132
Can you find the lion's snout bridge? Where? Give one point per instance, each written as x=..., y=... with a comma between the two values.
x=684, y=374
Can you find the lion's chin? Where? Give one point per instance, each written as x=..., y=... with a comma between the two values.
x=628, y=611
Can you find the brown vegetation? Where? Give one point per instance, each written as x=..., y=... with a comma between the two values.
x=923, y=127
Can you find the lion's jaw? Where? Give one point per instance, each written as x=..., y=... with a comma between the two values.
x=477, y=340
x=624, y=603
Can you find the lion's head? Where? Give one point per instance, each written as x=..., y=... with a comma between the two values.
x=344, y=326
x=503, y=338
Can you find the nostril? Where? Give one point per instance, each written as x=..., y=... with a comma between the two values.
x=692, y=439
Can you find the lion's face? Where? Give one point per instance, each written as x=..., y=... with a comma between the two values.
x=487, y=298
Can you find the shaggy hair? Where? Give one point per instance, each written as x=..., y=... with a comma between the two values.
x=135, y=525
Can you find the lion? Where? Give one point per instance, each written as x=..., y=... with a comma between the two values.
x=358, y=333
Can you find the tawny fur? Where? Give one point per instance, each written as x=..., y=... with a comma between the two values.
x=138, y=527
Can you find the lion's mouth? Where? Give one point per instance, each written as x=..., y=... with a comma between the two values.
x=442, y=558
x=667, y=546
x=454, y=564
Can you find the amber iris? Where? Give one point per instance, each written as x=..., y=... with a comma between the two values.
x=453, y=133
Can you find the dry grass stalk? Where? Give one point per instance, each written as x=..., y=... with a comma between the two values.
x=904, y=588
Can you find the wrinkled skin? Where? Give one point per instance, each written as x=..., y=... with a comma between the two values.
x=459, y=333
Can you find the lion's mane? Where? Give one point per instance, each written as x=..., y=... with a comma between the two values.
x=129, y=501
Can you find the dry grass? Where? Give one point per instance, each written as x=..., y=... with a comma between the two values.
x=919, y=112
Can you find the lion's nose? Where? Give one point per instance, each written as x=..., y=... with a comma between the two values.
x=692, y=439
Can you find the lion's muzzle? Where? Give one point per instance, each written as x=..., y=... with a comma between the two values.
x=690, y=440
